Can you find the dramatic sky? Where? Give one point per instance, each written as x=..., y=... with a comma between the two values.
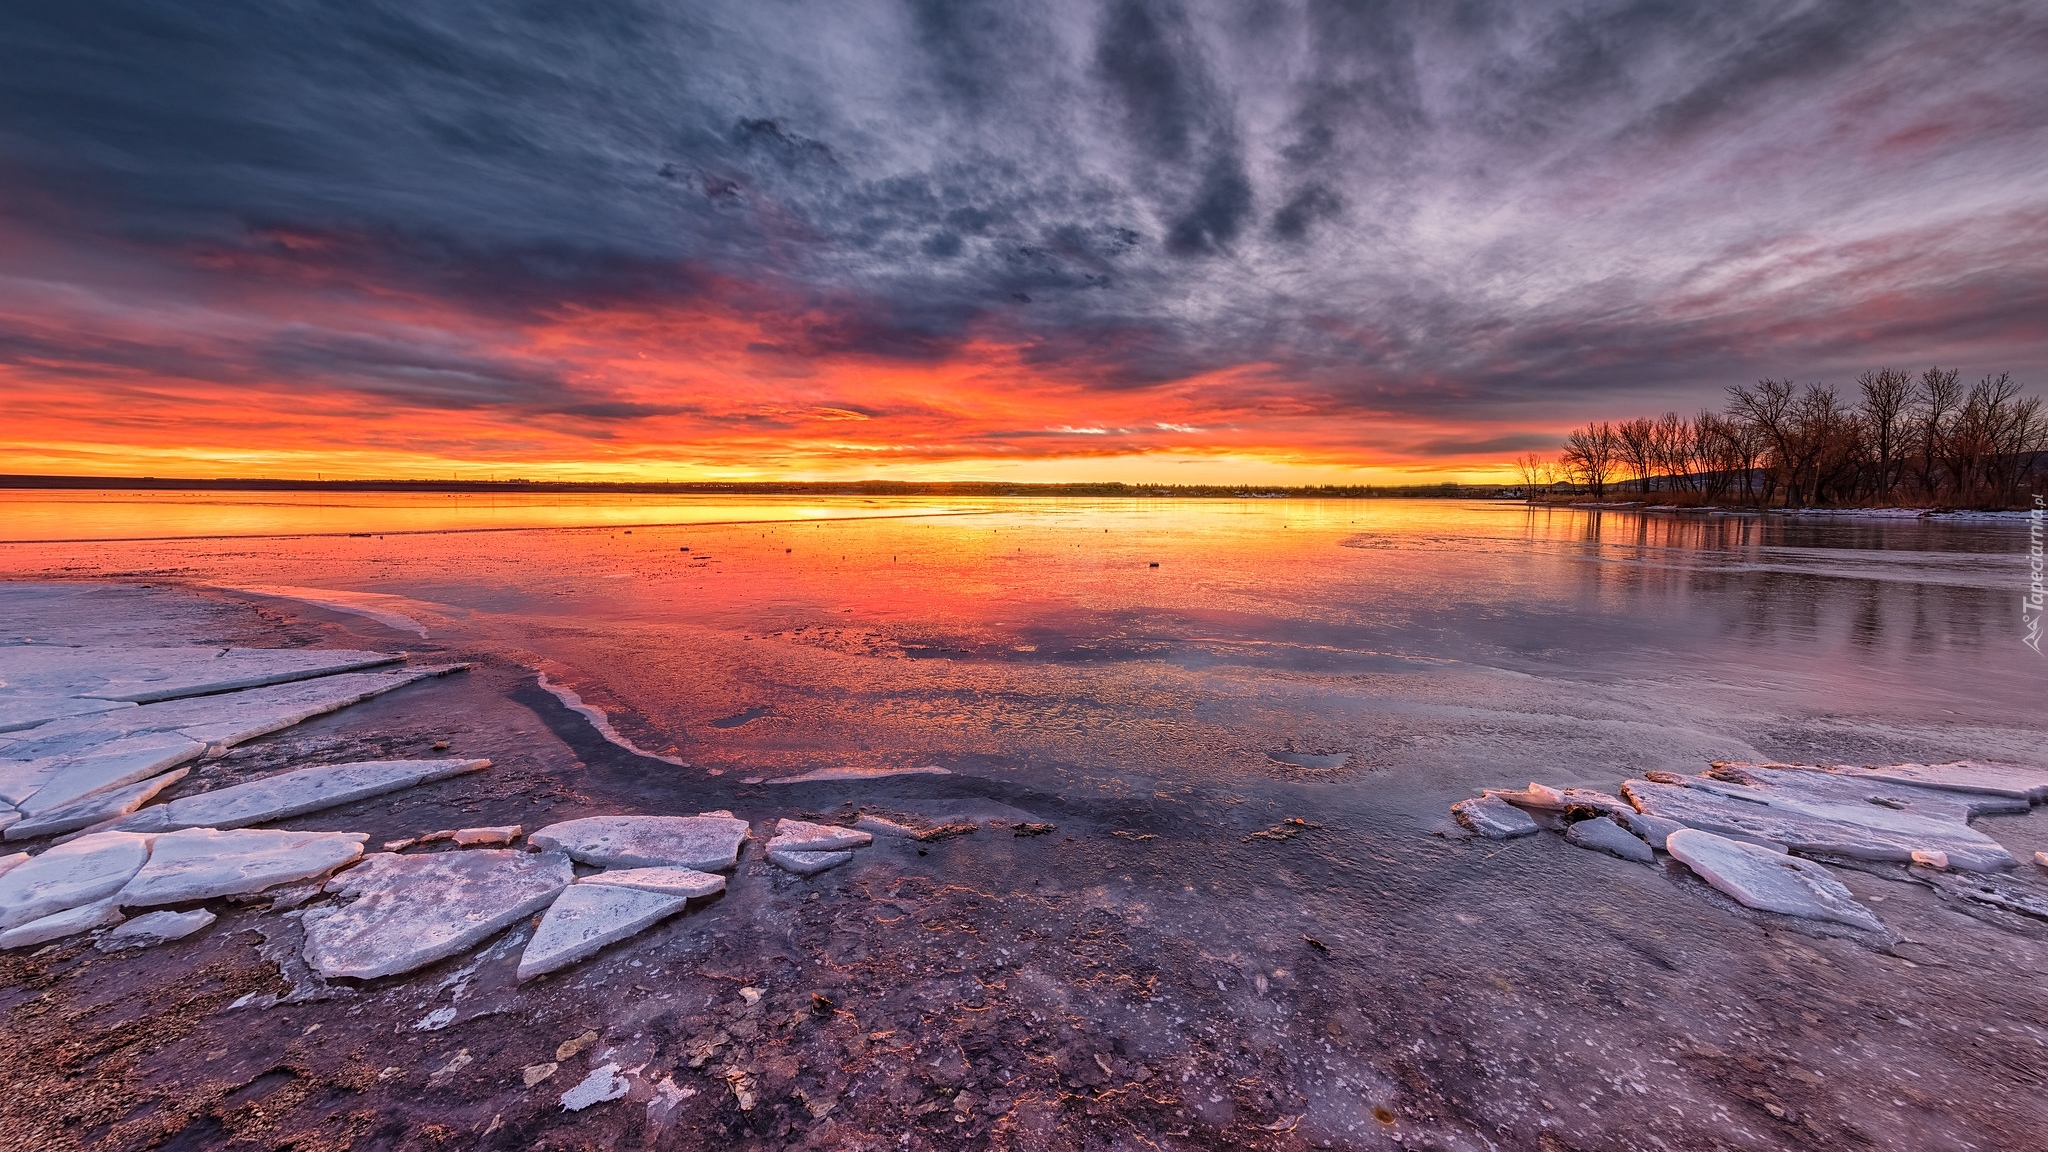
x=1066, y=239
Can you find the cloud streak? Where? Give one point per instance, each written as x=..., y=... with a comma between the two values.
x=628, y=236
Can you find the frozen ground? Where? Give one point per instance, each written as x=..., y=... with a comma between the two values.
x=1211, y=896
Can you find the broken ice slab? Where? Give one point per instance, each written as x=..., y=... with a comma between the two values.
x=706, y=843
x=2013, y=781
x=804, y=836
x=57, y=925
x=687, y=882
x=26, y=711
x=223, y=720
x=409, y=911
x=1788, y=818
x=155, y=928
x=87, y=869
x=1651, y=829
x=604, y=1083
x=1544, y=798
x=1494, y=818
x=1859, y=787
x=51, y=782
x=237, y=717
x=1604, y=835
x=94, y=809
x=1772, y=881
x=143, y=674
x=806, y=863
x=586, y=917
x=382, y=607
x=295, y=793
x=10, y=863
x=201, y=863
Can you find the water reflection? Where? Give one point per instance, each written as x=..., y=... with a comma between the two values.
x=1048, y=620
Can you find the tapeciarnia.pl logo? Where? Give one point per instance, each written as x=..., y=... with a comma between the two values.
x=2031, y=607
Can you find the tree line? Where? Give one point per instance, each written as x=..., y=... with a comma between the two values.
x=1926, y=440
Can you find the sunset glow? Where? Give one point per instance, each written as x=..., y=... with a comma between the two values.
x=1076, y=243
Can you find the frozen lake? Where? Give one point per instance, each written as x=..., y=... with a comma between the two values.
x=1165, y=678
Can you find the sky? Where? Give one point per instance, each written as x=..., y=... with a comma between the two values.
x=1067, y=240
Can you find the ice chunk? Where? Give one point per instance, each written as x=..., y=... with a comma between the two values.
x=1773, y=881
x=1493, y=817
x=225, y=721
x=604, y=1083
x=119, y=673
x=586, y=917
x=18, y=712
x=1652, y=829
x=87, y=869
x=295, y=793
x=1538, y=796
x=1604, y=835
x=479, y=837
x=201, y=863
x=804, y=836
x=410, y=911
x=824, y=774
x=2041, y=858
x=155, y=928
x=382, y=607
x=706, y=843
x=2009, y=780
x=10, y=863
x=806, y=863
x=1802, y=824
x=1930, y=858
x=672, y=881
x=58, y=925
x=94, y=809
x=1857, y=788
x=51, y=782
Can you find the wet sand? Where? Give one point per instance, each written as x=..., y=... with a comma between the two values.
x=1153, y=972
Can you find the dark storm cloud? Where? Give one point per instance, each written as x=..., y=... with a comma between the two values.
x=1400, y=206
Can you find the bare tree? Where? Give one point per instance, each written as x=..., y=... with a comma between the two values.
x=1886, y=392
x=1768, y=410
x=1534, y=471
x=1638, y=443
x=1935, y=401
x=1589, y=455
